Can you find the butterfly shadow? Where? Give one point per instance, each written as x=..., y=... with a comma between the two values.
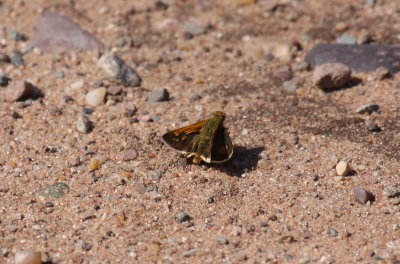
x=242, y=161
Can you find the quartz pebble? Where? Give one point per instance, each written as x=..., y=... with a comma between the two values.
x=96, y=97
x=28, y=257
x=362, y=196
x=343, y=168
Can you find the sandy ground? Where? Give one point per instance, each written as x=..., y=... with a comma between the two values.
x=278, y=200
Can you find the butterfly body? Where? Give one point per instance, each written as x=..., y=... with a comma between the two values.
x=206, y=140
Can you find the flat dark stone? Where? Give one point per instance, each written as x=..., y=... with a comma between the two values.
x=360, y=58
x=57, y=33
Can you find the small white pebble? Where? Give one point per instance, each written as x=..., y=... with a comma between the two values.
x=96, y=96
x=343, y=168
x=28, y=257
x=245, y=131
x=77, y=85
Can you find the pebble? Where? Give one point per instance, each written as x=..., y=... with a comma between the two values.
x=396, y=201
x=129, y=155
x=188, y=35
x=114, y=90
x=302, y=66
x=155, y=118
x=183, y=217
x=116, y=68
x=4, y=57
x=17, y=36
x=367, y=108
x=17, y=59
x=56, y=33
x=28, y=257
x=390, y=191
x=333, y=232
x=49, y=204
x=83, y=124
x=346, y=39
x=359, y=58
x=84, y=245
x=158, y=95
x=96, y=162
x=373, y=127
x=59, y=74
x=4, y=79
x=194, y=29
x=77, y=85
x=364, y=38
x=330, y=76
x=195, y=97
x=221, y=240
x=381, y=73
x=18, y=90
x=88, y=111
x=343, y=168
x=96, y=96
x=260, y=48
x=273, y=218
x=362, y=196
x=54, y=191
x=290, y=87
x=190, y=252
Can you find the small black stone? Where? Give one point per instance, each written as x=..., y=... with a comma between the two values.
x=188, y=35
x=183, y=217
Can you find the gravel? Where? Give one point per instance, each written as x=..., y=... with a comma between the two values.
x=54, y=191
x=158, y=95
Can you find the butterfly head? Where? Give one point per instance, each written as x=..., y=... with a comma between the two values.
x=220, y=115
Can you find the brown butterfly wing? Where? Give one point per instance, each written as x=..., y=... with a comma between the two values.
x=184, y=139
x=222, y=148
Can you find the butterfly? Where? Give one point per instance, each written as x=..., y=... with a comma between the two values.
x=206, y=140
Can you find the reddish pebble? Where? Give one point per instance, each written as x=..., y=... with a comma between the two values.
x=18, y=90
x=362, y=196
x=152, y=155
x=4, y=57
x=114, y=90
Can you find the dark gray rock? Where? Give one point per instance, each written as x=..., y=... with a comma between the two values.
x=56, y=33
x=359, y=58
x=367, y=108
